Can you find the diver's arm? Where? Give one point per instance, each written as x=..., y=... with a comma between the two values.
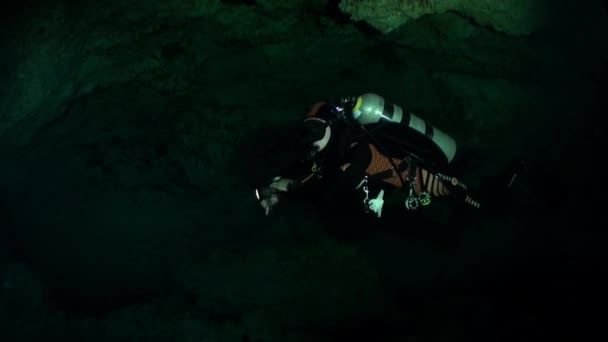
x=297, y=177
x=354, y=176
x=354, y=167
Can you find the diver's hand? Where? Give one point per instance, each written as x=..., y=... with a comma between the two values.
x=268, y=198
x=376, y=204
x=268, y=203
x=281, y=184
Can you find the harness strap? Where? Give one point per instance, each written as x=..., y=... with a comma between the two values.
x=389, y=173
x=457, y=189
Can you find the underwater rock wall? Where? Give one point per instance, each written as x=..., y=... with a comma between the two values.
x=517, y=17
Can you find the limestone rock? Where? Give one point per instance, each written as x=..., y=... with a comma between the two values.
x=509, y=16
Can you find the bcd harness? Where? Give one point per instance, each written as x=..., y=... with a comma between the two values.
x=414, y=200
x=412, y=164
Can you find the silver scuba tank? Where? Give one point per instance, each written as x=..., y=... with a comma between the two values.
x=371, y=108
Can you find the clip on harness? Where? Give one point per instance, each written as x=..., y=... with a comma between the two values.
x=366, y=191
x=413, y=200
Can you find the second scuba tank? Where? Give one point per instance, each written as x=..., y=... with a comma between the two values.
x=372, y=109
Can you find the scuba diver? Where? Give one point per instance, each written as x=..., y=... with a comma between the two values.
x=368, y=145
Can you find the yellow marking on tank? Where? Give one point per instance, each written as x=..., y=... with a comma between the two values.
x=358, y=104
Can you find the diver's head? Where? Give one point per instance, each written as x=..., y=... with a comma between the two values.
x=315, y=136
x=337, y=111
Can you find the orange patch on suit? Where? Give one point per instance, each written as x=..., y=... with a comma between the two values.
x=380, y=164
x=314, y=109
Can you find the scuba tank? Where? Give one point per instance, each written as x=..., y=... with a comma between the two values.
x=402, y=132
